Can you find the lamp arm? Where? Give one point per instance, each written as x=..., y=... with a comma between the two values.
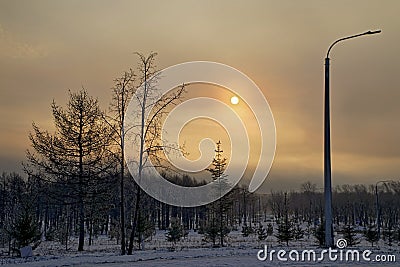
x=350, y=37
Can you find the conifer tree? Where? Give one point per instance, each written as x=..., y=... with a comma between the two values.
x=270, y=229
x=175, y=232
x=285, y=226
x=247, y=230
x=319, y=234
x=25, y=230
x=371, y=234
x=298, y=232
x=350, y=235
x=261, y=233
x=285, y=231
x=224, y=203
x=211, y=231
x=389, y=234
x=75, y=159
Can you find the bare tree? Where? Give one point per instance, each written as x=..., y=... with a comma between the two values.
x=76, y=156
x=149, y=129
x=123, y=90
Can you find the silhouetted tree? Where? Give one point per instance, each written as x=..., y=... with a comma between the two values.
x=25, y=230
x=389, y=234
x=285, y=231
x=217, y=172
x=261, y=232
x=298, y=232
x=175, y=232
x=76, y=156
x=149, y=130
x=371, y=234
x=247, y=230
x=123, y=90
x=319, y=234
x=350, y=235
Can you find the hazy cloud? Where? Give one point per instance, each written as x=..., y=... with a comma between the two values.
x=13, y=47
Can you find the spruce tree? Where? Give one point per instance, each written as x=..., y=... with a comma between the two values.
x=350, y=235
x=175, y=232
x=224, y=203
x=247, y=230
x=25, y=230
x=285, y=231
x=397, y=236
x=285, y=226
x=389, y=234
x=371, y=234
x=211, y=231
x=270, y=229
x=144, y=230
x=319, y=234
x=261, y=232
x=298, y=232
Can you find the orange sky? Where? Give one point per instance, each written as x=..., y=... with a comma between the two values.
x=48, y=47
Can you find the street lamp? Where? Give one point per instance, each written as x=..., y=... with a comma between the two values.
x=378, y=221
x=327, y=146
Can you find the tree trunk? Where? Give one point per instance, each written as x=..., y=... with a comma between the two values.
x=123, y=238
x=81, y=200
x=135, y=220
x=90, y=232
x=142, y=140
x=221, y=223
x=81, y=224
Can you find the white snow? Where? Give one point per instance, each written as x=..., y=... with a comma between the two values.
x=241, y=251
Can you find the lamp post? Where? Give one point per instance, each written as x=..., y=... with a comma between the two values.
x=327, y=146
x=378, y=216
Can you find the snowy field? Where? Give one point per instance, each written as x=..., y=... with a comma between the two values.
x=240, y=251
x=192, y=257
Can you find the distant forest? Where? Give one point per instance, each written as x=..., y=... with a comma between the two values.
x=31, y=209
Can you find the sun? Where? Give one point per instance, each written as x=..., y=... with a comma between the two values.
x=234, y=100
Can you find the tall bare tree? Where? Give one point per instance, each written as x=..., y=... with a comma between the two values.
x=123, y=90
x=150, y=129
x=76, y=155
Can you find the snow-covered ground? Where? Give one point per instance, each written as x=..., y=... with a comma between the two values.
x=241, y=251
x=189, y=257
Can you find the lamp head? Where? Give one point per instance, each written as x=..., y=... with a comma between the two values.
x=373, y=32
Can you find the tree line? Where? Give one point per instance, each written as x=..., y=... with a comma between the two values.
x=31, y=211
